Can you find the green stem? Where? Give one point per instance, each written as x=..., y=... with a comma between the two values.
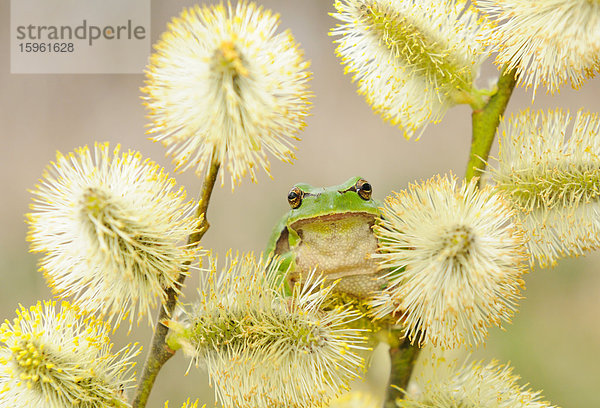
x=160, y=352
x=485, y=122
x=403, y=357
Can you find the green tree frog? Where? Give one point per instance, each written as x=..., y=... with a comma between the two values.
x=330, y=228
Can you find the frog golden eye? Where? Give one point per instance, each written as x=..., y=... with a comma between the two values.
x=295, y=197
x=364, y=189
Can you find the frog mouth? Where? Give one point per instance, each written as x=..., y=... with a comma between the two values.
x=332, y=218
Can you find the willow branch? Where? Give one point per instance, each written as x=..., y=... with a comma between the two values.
x=403, y=357
x=159, y=352
x=485, y=122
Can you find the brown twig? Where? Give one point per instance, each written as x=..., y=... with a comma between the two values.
x=159, y=352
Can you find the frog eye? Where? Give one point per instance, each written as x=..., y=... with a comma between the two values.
x=295, y=197
x=364, y=189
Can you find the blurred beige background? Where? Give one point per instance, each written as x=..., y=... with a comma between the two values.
x=554, y=341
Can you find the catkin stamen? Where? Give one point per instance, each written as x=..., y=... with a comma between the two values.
x=417, y=48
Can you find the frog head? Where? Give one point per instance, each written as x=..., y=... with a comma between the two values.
x=310, y=203
x=330, y=229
